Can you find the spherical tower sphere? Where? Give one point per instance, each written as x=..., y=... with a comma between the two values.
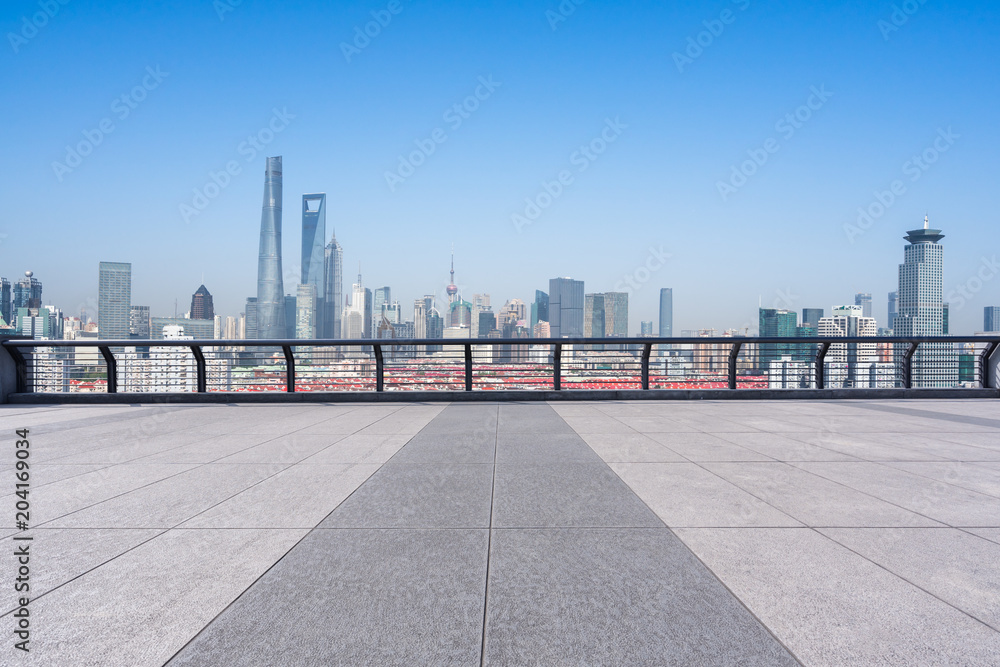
x=452, y=290
x=28, y=274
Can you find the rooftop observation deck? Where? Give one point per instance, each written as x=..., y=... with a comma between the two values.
x=601, y=533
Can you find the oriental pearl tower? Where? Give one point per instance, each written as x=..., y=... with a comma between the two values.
x=452, y=288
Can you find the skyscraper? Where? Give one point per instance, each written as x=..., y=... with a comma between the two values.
x=539, y=308
x=6, y=305
x=138, y=322
x=250, y=319
x=314, y=256
x=27, y=293
x=775, y=323
x=893, y=306
x=357, y=317
x=666, y=312
x=333, y=293
x=616, y=314
x=991, y=319
x=566, y=303
x=865, y=301
x=811, y=317
x=114, y=300
x=645, y=328
x=593, y=316
x=271, y=322
x=921, y=307
x=419, y=319
x=381, y=296
x=202, y=307
x=305, y=312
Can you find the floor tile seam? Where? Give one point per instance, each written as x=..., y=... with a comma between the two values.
x=659, y=444
x=888, y=464
x=101, y=420
x=873, y=496
x=489, y=542
x=35, y=486
x=905, y=579
x=285, y=435
x=252, y=584
x=35, y=598
x=713, y=573
x=800, y=442
x=968, y=531
x=934, y=415
x=118, y=495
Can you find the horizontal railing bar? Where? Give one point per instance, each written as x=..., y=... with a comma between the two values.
x=460, y=342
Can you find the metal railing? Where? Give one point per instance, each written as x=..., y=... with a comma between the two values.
x=523, y=364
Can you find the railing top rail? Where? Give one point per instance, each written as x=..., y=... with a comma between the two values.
x=367, y=342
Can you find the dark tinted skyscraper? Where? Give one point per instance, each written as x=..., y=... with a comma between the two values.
x=6, y=305
x=566, y=302
x=114, y=300
x=27, y=293
x=313, y=237
x=270, y=288
x=138, y=322
x=666, y=312
x=893, y=308
x=251, y=321
x=202, y=307
x=776, y=323
x=540, y=308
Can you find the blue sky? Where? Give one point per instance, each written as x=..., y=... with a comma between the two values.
x=889, y=91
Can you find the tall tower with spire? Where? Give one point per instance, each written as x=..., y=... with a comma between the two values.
x=271, y=322
x=920, y=308
x=452, y=288
x=333, y=288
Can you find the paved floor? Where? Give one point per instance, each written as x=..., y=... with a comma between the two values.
x=825, y=533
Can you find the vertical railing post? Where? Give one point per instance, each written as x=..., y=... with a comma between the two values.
x=908, y=365
x=199, y=360
x=557, y=367
x=734, y=355
x=20, y=368
x=468, y=367
x=647, y=351
x=379, y=367
x=821, y=365
x=109, y=359
x=289, y=369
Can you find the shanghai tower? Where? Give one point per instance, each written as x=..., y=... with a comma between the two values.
x=270, y=291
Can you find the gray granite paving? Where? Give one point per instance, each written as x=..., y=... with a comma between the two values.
x=605, y=533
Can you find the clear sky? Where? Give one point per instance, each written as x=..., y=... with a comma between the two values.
x=883, y=87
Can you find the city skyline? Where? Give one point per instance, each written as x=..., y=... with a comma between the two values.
x=871, y=128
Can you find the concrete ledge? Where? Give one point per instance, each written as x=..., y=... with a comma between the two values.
x=499, y=396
